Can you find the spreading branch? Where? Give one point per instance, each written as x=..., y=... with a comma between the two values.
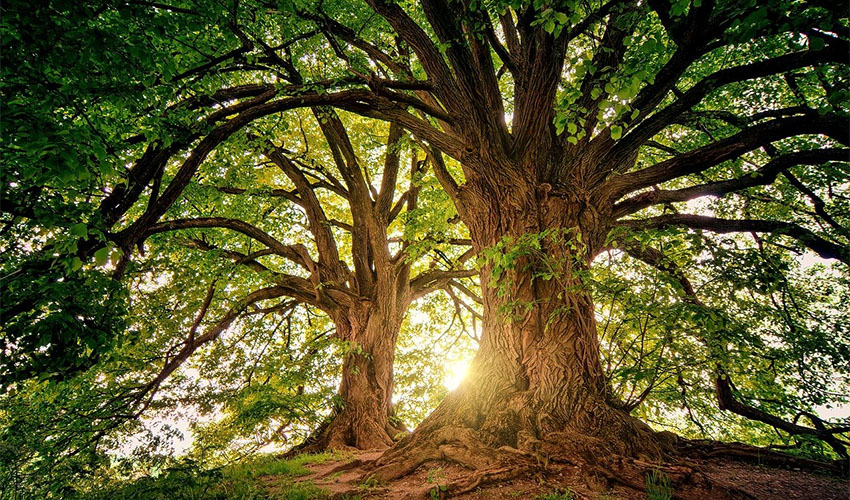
x=821, y=246
x=763, y=176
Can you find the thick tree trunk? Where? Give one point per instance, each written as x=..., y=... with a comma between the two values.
x=362, y=418
x=365, y=393
x=536, y=385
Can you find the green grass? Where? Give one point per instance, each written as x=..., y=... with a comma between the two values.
x=269, y=465
x=242, y=481
x=658, y=486
x=300, y=491
x=557, y=495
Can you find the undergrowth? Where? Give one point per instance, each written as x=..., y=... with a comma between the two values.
x=658, y=486
x=264, y=477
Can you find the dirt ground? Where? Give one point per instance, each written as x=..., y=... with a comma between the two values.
x=729, y=479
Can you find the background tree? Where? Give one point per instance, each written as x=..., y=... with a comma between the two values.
x=366, y=292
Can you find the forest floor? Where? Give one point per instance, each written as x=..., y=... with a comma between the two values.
x=729, y=479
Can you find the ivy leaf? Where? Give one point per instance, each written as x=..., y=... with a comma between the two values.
x=79, y=230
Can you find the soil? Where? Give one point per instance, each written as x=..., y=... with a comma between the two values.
x=716, y=479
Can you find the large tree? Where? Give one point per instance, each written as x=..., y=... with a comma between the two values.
x=575, y=125
x=591, y=89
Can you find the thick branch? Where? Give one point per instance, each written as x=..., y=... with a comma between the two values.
x=383, y=204
x=430, y=281
x=295, y=253
x=822, y=247
x=703, y=158
x=648, y=128
x=300, y=289
x=319, y=226
x=764, y=175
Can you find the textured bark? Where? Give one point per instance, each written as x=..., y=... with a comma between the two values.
x=362, y=418
x=536, y=386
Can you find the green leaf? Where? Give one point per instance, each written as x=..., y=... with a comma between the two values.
x=616, y=132
x=101, y=256
x=79, y=230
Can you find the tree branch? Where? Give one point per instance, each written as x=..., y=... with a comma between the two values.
x=700, y=159
x=295, y=253
x=833, y=53
x=822, y=247
x=764, y=175
x=430, y=281
x=318, y=222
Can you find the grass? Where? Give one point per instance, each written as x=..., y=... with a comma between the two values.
x=557, y=495
x=242, y=481
x=658, y=486
x=269, y=465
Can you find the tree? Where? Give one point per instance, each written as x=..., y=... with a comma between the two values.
x=576, y=125
x=594, y=87
x=366, y=302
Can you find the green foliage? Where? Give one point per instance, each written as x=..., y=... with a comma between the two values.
x=261, y=478
x=661, y=352
x=75, y=91
x=76, y=317
x=436, y=477
x=90, y=89
x=555, y=254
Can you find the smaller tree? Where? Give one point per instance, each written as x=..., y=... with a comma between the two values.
x=328, y=188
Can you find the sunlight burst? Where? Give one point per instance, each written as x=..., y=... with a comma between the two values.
x=455, y=372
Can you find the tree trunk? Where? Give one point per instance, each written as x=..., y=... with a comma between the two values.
x=362, y=418
x=536, y=385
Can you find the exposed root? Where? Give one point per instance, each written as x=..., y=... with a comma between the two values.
x=454, y=444
x=484, y=477
x=599, y=469
x=605, y=447
x=753, y=454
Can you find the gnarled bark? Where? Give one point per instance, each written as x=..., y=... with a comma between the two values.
x=363, y=416
x=536, y=388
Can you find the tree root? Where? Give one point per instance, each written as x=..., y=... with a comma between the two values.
x=480, y=478
x=455, y=444
x=753, y=454
x=598, y=468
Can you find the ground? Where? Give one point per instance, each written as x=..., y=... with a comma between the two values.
x=341, y=478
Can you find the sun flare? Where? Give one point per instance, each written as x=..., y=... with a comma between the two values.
x=455, y=373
